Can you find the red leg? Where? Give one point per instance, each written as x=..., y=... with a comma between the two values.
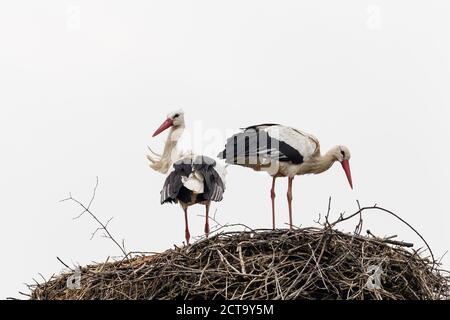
x=207, y=221
x=186, y=232
x=289, y=198
x=272, y=196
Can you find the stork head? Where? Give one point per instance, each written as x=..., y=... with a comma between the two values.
x=174, y=119
x=342, y=154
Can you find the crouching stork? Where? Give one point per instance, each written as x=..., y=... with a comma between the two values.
x=194, y=179
x=282, y=152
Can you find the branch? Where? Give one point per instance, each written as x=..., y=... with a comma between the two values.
x=63, y=263
x=390, y=241
x=87, y=209
x=375, y=207
x=359, y=226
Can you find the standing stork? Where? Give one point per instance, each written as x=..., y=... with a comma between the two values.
x=191, y=178
x=282, y=152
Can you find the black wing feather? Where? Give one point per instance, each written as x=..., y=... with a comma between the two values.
x=258, y=127
x=255, y=143
x=174, y=190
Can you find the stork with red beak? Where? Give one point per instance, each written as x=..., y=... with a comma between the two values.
x=162, y=162
x=282, y=152
x=192, y=179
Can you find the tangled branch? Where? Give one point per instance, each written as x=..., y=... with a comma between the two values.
x=358, y=228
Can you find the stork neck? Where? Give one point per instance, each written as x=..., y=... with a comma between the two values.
x=169, y=154
x=323, y=162
x=171, y=143
x=163, y=162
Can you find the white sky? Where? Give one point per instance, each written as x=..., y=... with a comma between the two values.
x=83, y=85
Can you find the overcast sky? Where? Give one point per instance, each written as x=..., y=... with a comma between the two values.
x=83, y=85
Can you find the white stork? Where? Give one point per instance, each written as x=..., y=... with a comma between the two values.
x=191, y=178
x=282, y=152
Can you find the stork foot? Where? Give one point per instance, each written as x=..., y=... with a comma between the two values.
x=272, y=196
x=207, y=220
x=207, y=230
x=289, y=198
x=187, y=235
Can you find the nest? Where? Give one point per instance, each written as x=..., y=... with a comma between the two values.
x=310, y=263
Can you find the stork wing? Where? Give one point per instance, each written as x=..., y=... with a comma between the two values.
x=214, y=186
x=174, y=182
x=306, y=144
x=254, y=145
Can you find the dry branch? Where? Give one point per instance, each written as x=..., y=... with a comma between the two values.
x=103, y=226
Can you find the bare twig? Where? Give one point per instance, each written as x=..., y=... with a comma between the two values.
x=359, y=226
x=375, y=207
x=390, y=241
x=63, y=263
x=87, y=209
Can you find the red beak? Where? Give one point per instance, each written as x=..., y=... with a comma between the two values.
x=346, y=167
x=165, y=125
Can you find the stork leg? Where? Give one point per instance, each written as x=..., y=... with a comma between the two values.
x=207, y=220
x=289, y=198
x=187, y=235
x=272, y=196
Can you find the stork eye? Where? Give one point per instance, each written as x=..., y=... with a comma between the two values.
x=176, y=115
x=343, y=153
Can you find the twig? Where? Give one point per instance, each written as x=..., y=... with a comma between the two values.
x=86, y=209
x=64, y=264
x=359, y=226
x=375, y=207
x=390, y=241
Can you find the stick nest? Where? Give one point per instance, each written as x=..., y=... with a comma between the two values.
x=310, y=263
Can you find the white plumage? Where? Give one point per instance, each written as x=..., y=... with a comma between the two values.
x=194, y=182
x=306, y=144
